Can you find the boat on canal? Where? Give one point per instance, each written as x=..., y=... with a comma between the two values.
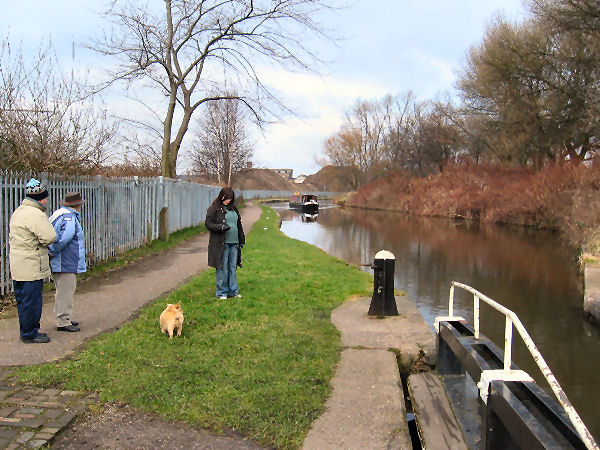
x=304, y=202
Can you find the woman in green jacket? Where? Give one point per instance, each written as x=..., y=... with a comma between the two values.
x=225, y=242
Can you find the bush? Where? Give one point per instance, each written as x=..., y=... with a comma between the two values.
x=562, y=198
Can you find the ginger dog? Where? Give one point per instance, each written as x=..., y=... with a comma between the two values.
x=170, y=319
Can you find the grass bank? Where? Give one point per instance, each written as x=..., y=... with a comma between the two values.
x=260, y=365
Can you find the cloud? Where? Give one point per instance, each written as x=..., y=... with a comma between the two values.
x=295, y=143
x=310, y=92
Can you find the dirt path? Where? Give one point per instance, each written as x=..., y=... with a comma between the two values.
x=121, y=426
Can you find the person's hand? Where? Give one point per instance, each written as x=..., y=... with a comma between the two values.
x=225, y=227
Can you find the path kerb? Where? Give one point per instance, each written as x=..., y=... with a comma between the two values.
x=591, y=295
x=366, y=408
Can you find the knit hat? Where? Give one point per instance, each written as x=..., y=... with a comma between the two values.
x=35, y=190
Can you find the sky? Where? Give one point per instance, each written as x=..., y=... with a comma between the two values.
x=385, y=47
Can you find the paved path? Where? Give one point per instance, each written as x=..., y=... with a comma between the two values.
x=366, y=409
x=112, y=301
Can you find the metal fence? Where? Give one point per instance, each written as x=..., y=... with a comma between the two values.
x=117, y=210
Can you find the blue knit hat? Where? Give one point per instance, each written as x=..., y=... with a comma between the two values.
x=35, y=190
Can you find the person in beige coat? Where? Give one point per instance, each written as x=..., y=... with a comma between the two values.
x=29, y=237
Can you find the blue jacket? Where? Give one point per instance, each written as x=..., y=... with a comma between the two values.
x=67, y=254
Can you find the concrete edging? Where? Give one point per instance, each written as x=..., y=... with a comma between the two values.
x=591, y=293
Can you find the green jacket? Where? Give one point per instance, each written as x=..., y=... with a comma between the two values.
x=29, y=237
x=215, y=219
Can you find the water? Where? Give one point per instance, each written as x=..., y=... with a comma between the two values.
x=532, y=272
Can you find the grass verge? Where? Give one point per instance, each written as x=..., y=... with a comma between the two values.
x=590, y=249
x=260, y=365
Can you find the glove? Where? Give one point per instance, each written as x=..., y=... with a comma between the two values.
x=225, y=227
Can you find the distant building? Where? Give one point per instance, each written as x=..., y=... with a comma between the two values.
x=300, y=179
x=285, y=173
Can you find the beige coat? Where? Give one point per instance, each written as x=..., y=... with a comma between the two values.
x=30, y=235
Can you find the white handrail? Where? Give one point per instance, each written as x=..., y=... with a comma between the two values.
x=512, y=319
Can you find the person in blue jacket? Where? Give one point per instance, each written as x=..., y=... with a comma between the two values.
x=67, y=258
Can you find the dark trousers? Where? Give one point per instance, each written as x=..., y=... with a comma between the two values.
x=29, y=304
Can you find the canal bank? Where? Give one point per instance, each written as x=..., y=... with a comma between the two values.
x=259, y=366
x=250, y=349
x=382, y=380
x=591, y=294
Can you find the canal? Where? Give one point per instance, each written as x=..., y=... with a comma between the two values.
x=532, y=272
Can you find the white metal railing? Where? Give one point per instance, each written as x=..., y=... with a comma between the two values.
x=513, y=320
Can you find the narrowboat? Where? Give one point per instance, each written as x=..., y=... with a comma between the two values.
x=304, y=202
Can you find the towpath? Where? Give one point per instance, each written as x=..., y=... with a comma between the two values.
x=366, y=408
x=32, y=417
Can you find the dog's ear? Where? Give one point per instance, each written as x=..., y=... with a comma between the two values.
x=178, y=306
x=169, y=304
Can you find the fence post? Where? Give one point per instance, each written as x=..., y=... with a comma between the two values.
x=148, y=233
x=163, y=215
x=100, y=213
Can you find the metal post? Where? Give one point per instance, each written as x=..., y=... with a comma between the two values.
x=383, y=302
x=476, y=315
x=508, y=343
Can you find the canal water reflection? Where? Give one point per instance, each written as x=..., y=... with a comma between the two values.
x=532, y=272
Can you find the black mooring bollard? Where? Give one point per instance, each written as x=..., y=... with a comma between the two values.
x=383, y=302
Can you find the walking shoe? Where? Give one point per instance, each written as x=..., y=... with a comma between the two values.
x=238, y=295
x=71, y=328
x=223, y=297
x=41, y=338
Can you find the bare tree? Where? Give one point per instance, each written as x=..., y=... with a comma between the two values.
x=398, y=131
x=184, y=49
x=572, y=74
x=438, y=135
x=537, y=84
x=343, y=150
x=360, y=142
x=502, y=80
x=45, y=122
x=223, y=147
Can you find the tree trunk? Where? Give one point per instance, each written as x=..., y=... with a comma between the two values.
x=176, y=144
x=166, y=169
